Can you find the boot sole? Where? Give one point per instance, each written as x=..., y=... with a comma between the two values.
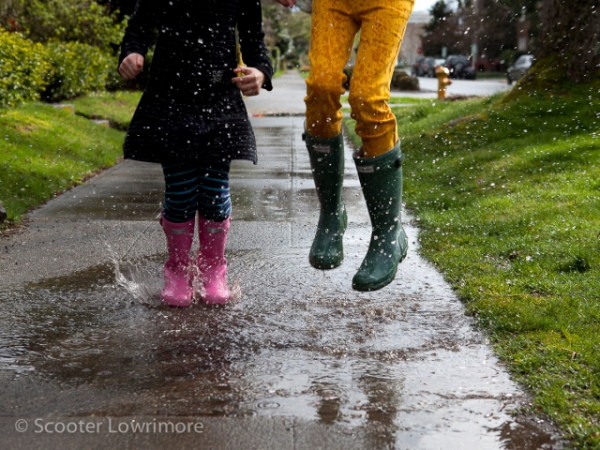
x=381, y=283
x=324, y=266
x=177, y=303
x=335, y=263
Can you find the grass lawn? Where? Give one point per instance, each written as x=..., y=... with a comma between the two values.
x=117, y=107
x=44, y=151
x=491, y=75
x=506, y=191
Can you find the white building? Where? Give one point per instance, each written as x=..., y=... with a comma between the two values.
x=411, y=45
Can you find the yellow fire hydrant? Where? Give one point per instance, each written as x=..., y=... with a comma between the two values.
x=443, y=76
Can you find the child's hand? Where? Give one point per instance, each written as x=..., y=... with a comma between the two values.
x=251, y=81
x=131, y=66
x=288, y=3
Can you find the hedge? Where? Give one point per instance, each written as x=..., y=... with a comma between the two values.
x=54, y=71
x=23, y=69
x=77, y=69
x=403, y=81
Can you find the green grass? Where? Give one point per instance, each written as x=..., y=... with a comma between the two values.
x=491, y=75
x=117, y=107
x=507, y=194
x=44, y=151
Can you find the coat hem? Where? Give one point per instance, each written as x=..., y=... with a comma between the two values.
x=199, y=160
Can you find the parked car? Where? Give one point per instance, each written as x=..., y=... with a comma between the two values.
x=429, y=66
x=425, y=66
x=518, y=69
x=460, y=67
x=436, y=62
x=416, y=68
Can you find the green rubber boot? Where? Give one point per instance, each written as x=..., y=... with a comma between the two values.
x=327, y=165
x=381, y=181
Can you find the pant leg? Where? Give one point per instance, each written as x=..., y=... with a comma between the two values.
x=383, y=23
x=190, y=189
x=214, y=199
x=179, y=204
x=332, y=38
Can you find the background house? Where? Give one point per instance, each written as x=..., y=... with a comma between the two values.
x=412, y=46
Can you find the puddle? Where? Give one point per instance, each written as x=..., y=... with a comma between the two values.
x=298, y=343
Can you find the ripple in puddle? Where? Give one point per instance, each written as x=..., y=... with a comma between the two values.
x=299, y=343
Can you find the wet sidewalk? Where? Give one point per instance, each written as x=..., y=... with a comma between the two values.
x=298, y=361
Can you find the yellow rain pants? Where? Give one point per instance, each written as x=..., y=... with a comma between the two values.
x=334, y=26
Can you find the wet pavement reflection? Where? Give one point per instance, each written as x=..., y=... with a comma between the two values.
x=398, y=368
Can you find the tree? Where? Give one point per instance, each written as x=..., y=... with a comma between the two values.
x=275, y=26
x=299, y=26
x=525, y=10
x=287, y=30
x=84, y=21
x=569, y=38
x=440, y=11
x=444, y=30
x=10, y=10
x=492, y=28
x=121, y=8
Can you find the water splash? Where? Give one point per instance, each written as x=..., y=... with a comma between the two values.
x=145, y=284
x=137, y=281
x=235, y=289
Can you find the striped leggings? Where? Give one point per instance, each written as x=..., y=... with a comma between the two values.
x=190, y=188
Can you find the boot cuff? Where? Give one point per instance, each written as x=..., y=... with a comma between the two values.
x=323, y=145
x=392, y=159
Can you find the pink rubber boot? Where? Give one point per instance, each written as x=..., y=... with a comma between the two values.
x=211, y=261
x=178, y=268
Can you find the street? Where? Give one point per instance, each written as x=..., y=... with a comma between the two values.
x=467, y=87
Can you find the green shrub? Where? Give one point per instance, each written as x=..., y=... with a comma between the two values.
x=23, y=68
x=77, y=69
x=54, y=71
x=403, y=81
x=84, y=21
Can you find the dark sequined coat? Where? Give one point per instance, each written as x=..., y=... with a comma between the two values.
x=190, y=109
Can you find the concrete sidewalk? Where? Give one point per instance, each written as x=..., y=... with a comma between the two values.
x=299, y=360
x=287, y=97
